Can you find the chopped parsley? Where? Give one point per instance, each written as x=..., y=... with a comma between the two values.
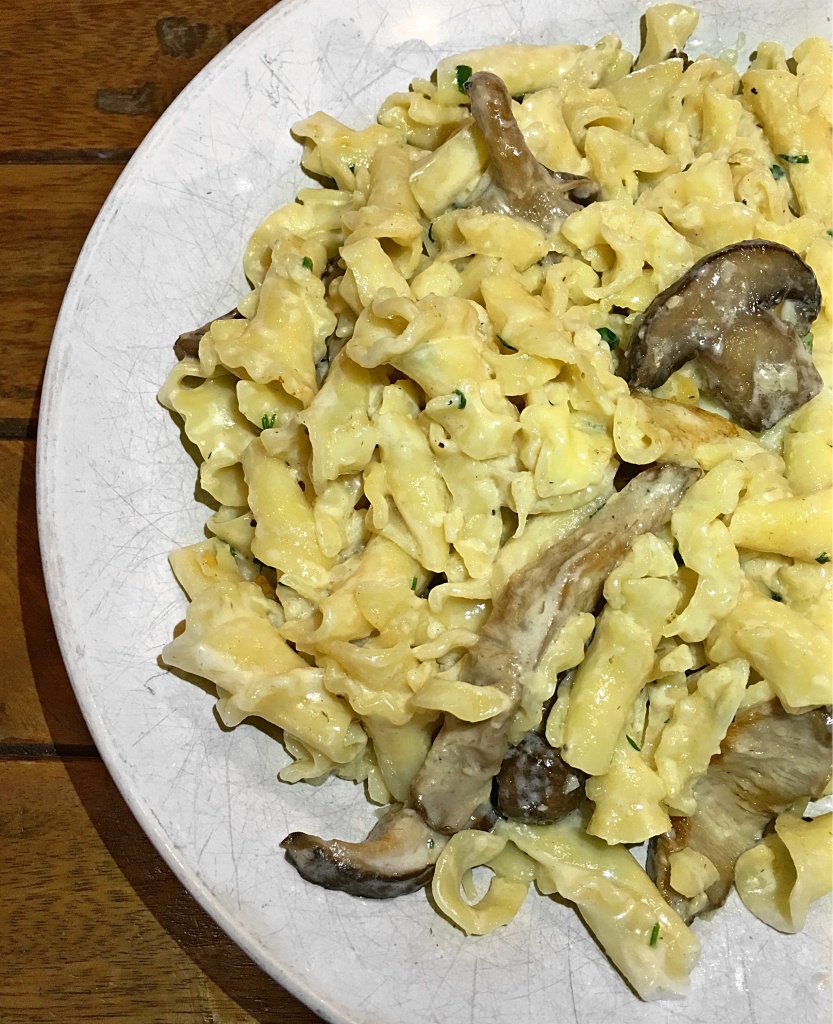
x=801, y=158
x=306, y=263
x=233, y=551
x=414, y=584
x=430, y=844
x=776, y=596
x=267, y=421
x=777, y=172
x=830, y=232
x=807, y=341
x=506, y=344
x=461, y=399
x=607, y=335
x=462, y=75
x=654, y=935
x=823, y=558
x=633, y=743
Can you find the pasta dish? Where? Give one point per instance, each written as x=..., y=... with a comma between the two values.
x=519, y=450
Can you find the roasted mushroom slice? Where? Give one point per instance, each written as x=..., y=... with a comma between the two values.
x=397, y=857
x=768, y=760
x=187, y=345
x=532, y=608
x=535, y=785
x=723, y=312
x=522, y=186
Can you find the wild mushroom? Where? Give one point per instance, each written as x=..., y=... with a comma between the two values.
x=187, y=345
x=768, y=760
x=723, y=311
x=535, y=785
x=522, y=186
x=532, y=608
x=397, y=857
x=453, y=788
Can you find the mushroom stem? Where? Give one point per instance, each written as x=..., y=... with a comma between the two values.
x=522, y=187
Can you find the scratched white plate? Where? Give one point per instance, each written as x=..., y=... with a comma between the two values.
x=116, y=493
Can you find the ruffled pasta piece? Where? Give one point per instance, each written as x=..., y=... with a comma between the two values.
x=212, y=421
x=781, y=877
x=285, y=536
x=315, y=216
x=408, y=497
x=465, y=701
x=467, y=850
x=697, y=727
x=786, y=648
x=637, y=929
x=333, y=150
x=807, y=448
x=799, y=527
x=230, y=639
x=286, y=337
x=692, y=873
x=338, y=420
x=400, y=750
x=628, y=798
x=667, y=27
x=706, y=546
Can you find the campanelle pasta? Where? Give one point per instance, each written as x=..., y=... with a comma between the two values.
x=422, y=393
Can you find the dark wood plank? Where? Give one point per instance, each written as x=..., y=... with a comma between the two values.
x=45, y=216
x=93, y=925
x=38, y=711
x=95, y=74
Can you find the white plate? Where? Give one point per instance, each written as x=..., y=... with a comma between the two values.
x=116, y=493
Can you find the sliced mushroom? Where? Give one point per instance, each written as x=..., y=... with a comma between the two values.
x=535, y=785
x=723, y=312
x=397, y=857
x=522, y=186
x=532, y=608
x=187, y=345
x=768, y=760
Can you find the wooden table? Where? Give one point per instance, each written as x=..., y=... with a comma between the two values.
x=93, y=925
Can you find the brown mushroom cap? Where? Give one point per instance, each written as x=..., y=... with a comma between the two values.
x=768, y=760
x=722, y=311
x=535, y=785
x=523, y=187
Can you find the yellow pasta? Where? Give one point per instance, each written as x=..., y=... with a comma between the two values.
x=427, y=388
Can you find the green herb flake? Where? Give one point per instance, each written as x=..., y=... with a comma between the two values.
x=807, y=341
x=462, y=74
x=607, y=335
x=233, y=551
x=776, y=172
x=306, y=263
x=633, y=743
x=461, y=399
x=776, y=596
x=654, y=935
x=267, y=421
x=506, y=344
x=830, y=232
x=801, y=158
x=414, y=584
x=823, y=558
x=430, y=844
x=351, y=168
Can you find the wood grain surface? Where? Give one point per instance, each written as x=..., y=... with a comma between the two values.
x=93, y=925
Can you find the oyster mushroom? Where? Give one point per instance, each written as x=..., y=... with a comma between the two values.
x=532, y=608
x=768, y=760
x=723, y=312
x=453, y=788
x=535, y=785
x=522, y=186
x=397, y=857
x=187, y=345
